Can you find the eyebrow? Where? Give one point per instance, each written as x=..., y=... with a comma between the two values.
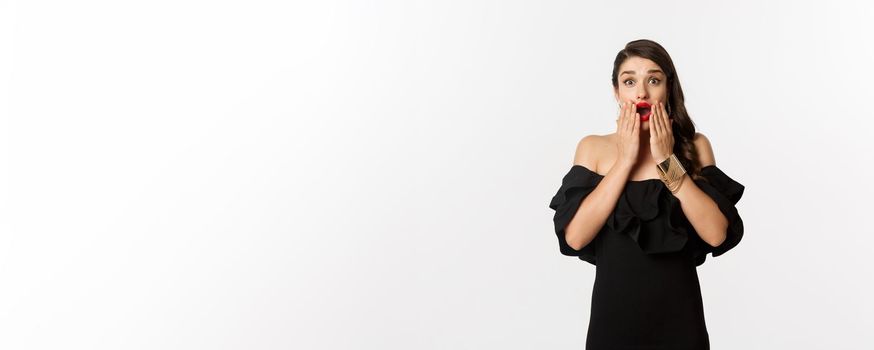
x=649, y=71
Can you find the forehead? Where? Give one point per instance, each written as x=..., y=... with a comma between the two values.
x=640, y=65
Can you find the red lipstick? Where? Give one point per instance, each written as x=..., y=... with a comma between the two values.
x=645, y=110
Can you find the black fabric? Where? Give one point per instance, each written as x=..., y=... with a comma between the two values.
x=646, y=293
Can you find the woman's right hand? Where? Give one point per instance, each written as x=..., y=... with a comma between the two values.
x=628, y=132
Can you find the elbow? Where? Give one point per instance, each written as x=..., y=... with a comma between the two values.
x=721, y=233
x=720, y=237
x=575, y=246
x=717, y=242
x=572, y=243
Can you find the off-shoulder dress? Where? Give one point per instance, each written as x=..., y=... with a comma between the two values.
x=646, y=293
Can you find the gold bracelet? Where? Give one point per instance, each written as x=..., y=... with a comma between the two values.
x=672, y=173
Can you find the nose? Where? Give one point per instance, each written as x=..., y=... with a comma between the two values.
x=641, y=92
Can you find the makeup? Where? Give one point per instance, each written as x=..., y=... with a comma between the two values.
x=645, y=110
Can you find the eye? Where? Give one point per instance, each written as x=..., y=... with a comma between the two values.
x=656, y=79
x=627, y=80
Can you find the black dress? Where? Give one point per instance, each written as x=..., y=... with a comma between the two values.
x=646, y=293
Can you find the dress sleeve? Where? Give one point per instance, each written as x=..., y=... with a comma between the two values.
x=575, y=186
x=726, y=192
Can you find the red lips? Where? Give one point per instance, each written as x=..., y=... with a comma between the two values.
x=644, y=109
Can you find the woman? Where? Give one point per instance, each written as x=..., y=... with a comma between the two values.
x=645, y=205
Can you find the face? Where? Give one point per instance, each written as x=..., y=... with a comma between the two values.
x=641, y=80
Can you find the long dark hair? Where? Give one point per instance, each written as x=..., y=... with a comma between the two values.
x=683, y=128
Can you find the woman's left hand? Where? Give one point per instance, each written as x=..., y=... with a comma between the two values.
x=661, y=135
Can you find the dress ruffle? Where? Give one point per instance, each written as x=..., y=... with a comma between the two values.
x=575, y=186
x=726, y=192
x=649, y=214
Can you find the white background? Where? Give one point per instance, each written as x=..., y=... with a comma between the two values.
x=376, y=174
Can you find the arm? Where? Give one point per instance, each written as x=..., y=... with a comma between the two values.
x=597, y=206
x=702, y=212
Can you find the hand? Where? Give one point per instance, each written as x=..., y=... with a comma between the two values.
x=628, y=134
x=661, y=134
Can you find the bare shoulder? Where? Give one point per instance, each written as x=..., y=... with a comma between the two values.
x=705, y=150
x=590, y=149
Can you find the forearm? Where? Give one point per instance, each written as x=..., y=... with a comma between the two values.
x=596, y=207
x=702, y=212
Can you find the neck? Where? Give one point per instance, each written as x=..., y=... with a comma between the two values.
x=645, y=155
x=644, y=139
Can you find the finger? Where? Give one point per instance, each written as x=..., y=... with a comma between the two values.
x=668, y=121
x=629, y=123
x=621, y=119
x=635, y=129
x=627, y=117
x=662, y=130
x=654, y=123
x=620, y=122
x=663, y=119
